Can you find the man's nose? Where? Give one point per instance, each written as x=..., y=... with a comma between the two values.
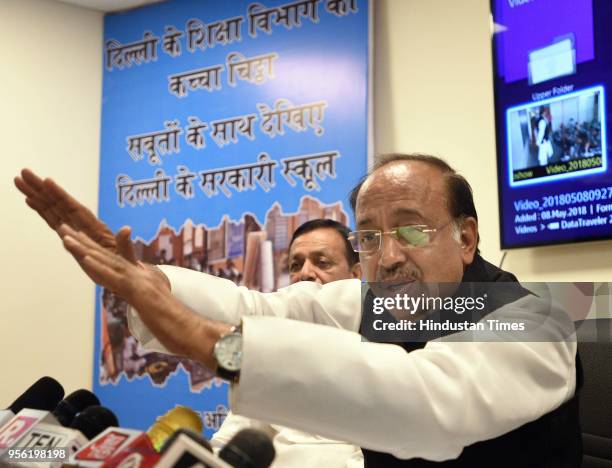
x=308, y=272
x=392, y=255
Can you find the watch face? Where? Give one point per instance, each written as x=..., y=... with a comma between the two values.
x=228, y=352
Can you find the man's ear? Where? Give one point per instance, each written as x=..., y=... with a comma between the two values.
x=468, y=239
x=356, y=271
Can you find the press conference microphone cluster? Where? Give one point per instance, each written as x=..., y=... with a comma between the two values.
x=121, y=447
x=41, y=421
x=174, y=440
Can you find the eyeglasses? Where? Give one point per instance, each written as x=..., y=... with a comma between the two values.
x=415, y=235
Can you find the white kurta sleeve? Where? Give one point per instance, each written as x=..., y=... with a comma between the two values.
x=429, y=403
x=335, y=304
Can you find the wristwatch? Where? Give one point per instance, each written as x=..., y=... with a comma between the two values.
x=228, y=354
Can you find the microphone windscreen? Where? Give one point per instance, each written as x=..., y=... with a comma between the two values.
x=82, y=398
x=69, y=407
x=93, y=420
x=249, y=448
x=43, y=395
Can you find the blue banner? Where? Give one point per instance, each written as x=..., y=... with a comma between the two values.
x=225, y=125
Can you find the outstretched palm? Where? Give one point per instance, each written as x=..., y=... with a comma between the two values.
x=57, y=207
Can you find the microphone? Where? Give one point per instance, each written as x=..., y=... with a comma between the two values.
x=249, y=448
x=93, y=420
x=49, y=436
x=189, y=433
x=104, y=446
x=139, y=453
x=187, y=449
x=18, y=426
x=44, y=394
x=141, y=450
x=69, y=407
x=116, y=447
x=179, y=417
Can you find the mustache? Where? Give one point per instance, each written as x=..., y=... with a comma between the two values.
x=406, y=274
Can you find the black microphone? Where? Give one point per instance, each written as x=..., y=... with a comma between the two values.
x=93, y=420
x=44, y=394
x=69, y=407
x=249, y=448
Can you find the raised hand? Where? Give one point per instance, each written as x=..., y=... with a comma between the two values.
x=57, y=207
x=109, y=260
x=178, y=328
x=130, y=280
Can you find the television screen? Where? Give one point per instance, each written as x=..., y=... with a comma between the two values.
x=552, y=63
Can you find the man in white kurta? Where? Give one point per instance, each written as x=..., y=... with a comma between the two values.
x=304, y=363
x=315, y=372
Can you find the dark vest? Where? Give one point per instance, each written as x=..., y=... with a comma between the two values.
x=552, y=441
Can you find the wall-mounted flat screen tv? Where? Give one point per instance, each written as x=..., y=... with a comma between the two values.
x=552, y=63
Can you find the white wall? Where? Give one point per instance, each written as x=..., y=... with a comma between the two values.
x=433, y=92
x=50, y=88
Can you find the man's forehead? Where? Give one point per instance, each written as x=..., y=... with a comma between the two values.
x=318, y=240
x=407, y=181
x=370, y=218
